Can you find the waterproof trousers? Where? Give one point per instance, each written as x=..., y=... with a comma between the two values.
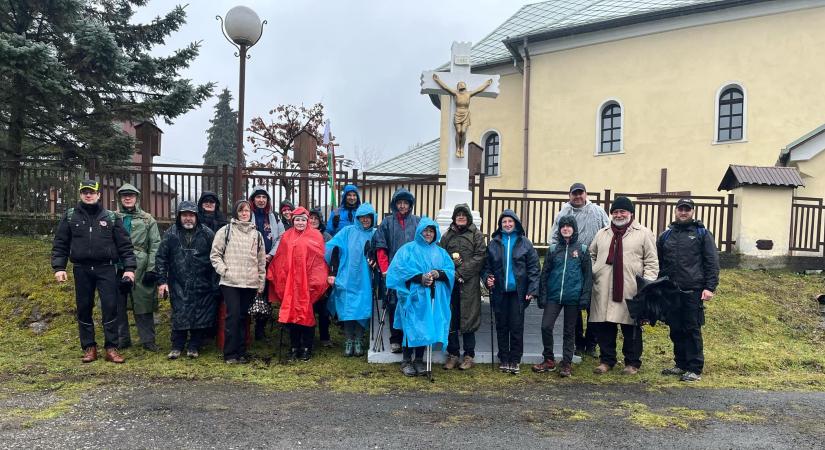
x=196, y=337
x=87, y=279
x=510, y=327
x=686, y=333
x=548, y=323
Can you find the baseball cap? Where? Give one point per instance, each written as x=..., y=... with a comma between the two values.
x=685, y=202
x=577, y=187
x=89, y=184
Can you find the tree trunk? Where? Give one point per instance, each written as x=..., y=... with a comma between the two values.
x=14, y=142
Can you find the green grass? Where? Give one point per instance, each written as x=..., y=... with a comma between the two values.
x=763, y=332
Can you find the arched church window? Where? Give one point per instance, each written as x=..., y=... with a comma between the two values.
x=491, y=154
x=611, y=128
x=731, y=115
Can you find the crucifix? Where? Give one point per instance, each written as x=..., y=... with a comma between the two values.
x=466, y=85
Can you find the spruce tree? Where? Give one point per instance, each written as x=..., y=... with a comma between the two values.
x=222, y=145
x=70, y=70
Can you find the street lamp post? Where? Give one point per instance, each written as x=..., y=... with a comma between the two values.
x=243, y=29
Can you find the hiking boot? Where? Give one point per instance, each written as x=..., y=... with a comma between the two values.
x=630, y=370
x=89, y=355
x=359, y=348
x=113, y=356
x=467, y=364
x=514, y=368
x=602, y=368
x=348, y=351
x=452, y=362
x=408, y=369
x=420, y=367
x=690, y=377
x=174, y=354
x=150, y=347
x=293, y=354
x=675, y=370
x=306, y=354
x=192, y=354
x=395, y=347
x=548, y=365
x=566, y=370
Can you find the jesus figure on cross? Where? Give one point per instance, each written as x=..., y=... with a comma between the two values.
x=461, y=121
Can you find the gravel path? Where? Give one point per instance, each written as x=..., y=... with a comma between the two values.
x=179, y=414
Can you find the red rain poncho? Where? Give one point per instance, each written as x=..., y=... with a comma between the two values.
x=298, y=274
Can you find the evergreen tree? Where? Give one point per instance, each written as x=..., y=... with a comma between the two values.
x=71, y=69
x=223, y=141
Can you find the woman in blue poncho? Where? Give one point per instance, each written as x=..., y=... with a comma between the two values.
x=423, y=274
x=351, y=278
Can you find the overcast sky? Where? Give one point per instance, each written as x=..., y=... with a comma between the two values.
x=361, y=58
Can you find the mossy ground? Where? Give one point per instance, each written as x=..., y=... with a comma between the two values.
x=763, y=331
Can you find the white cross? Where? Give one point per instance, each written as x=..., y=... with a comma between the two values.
x=458, y=176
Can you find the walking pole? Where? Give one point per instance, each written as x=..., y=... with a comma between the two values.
x=430, y=347
x=492, y=338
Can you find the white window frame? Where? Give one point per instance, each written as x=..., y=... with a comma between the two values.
x=602, y=106
x=484, y=137
x=723, y=88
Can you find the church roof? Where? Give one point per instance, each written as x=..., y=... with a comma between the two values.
x=422, y=159
x=555, y=18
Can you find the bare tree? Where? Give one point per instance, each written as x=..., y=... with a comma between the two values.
x=364, y=157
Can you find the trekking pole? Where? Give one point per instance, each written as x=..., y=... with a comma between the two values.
x=430, y=347
x=378, y=343
x=492, y=332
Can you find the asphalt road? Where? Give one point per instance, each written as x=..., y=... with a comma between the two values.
x=180, y=414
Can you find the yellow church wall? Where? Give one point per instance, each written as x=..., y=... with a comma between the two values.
x=667, y=84
x=813, y=175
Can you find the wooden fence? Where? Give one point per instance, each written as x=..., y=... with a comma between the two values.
x=807, y=224
x=47, y=189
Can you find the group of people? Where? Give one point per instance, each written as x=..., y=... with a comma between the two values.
x=220, y=271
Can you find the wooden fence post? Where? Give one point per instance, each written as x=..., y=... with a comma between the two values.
x=607, y=201
x=729, y=225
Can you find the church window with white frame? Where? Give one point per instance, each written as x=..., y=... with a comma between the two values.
x=610, y=128
x=492, y=147
x=730, y=125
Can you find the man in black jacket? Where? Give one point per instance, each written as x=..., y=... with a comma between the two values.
x=688, y=256
x=94, y=240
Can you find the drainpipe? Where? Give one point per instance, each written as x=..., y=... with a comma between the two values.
x=526, y=97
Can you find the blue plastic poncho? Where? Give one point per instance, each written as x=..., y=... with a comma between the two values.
x=351, y=297
x=425, y=320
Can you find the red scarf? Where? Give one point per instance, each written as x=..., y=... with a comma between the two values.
x=616, y=259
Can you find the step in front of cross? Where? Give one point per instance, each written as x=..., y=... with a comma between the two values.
x=532, y=339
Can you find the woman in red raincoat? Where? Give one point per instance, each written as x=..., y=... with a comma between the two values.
x=299, y=276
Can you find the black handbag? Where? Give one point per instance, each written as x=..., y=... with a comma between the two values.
x=260, y=307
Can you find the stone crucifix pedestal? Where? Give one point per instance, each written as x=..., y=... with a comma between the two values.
x=459, y=77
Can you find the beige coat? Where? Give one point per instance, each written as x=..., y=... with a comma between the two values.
x=639, y=248
x=240, y=261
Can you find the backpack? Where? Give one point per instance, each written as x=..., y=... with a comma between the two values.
x=582, y=247
x=701, y=232
x=226, y=237
x=110, y=215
